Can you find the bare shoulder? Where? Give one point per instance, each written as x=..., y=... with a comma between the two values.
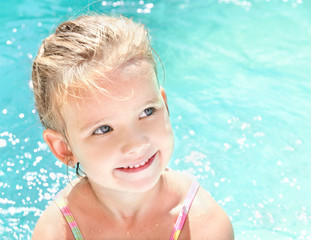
x=207, y=220
x=51, y=225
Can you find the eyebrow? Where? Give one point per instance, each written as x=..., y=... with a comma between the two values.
x=152, y=101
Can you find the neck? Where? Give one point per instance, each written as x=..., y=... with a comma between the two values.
x=127, y=206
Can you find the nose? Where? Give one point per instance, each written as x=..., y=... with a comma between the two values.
x=135, y=145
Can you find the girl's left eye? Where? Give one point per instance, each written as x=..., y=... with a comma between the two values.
x=147, y=112
x=102, y=130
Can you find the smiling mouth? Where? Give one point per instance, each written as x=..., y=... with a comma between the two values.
x=139, y=166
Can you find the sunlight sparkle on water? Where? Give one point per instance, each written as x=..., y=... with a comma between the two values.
x=2, y=143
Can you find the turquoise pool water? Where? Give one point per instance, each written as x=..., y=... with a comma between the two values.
x=238, y=77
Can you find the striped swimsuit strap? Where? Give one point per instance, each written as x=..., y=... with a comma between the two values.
x=60, y=201
x=185, y=209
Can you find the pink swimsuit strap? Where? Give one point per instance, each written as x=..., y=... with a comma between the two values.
x=185, y=209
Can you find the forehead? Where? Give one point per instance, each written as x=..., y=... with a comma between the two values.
x=131, y=75
x=135, y=80
x=113, y=83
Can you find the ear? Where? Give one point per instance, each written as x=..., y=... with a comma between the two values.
x=163, y=93
x=58, y=146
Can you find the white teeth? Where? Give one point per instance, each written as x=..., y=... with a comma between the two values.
x=137, y=165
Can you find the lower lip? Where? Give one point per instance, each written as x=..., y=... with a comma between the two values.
x=133, y=170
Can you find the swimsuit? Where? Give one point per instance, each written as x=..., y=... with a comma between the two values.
x=60, y=201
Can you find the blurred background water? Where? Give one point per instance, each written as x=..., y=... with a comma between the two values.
x=238, y=78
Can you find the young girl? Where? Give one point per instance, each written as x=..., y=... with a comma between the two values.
x=98, y=97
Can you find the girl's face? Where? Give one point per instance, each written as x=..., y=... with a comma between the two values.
x=123, y=139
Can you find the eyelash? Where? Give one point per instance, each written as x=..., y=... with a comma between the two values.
x=100, y=129
x=109, y=129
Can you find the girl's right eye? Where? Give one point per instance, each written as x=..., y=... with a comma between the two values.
x=102, y=130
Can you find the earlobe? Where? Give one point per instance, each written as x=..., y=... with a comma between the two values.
x=58, y=146
x=163, y=93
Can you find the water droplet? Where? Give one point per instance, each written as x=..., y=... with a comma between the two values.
x=192, y=133
x=227, y=146
x=2, y=143
x=147, y=10
x=149, y=5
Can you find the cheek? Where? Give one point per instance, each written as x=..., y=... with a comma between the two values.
x=92, y=152
x=166, y=141
x=95, y=158
x=163, y=131
x=169, y=133
x=167, y=124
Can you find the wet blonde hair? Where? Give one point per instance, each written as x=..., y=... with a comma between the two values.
x=80, y=49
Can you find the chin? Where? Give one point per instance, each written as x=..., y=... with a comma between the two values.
x=143, y=185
